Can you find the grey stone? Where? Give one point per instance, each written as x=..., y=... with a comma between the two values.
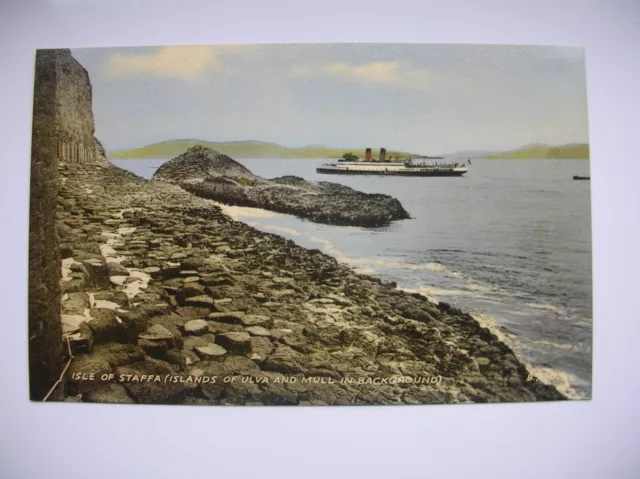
x=200, y=301
x=210, y=351
x=258, y=331
x=231, y=317
x=156, y=332
x=155, y=349
x=196, y=327
x=239, y=343
x=257, y=320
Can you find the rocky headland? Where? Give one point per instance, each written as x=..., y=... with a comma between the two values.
x=209, y=174
x=141, y=292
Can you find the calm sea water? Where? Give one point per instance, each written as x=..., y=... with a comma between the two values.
x=510, y=242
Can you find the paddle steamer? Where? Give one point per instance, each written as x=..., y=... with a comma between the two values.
x=416, y=166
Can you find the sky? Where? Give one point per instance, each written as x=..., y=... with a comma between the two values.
x=419, y=98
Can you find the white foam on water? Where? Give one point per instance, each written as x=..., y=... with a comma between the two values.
x=282, y=229
x=550, y=344
x=472, y=288
x=329, y=248
x=434, y=291
x=237, y=212
x=546, y=307
x=388, y=263
x=366, y=271
x=552, y=377
x=560, y=379
x=472, y=285
x=492, y=324
x=363, y=265
x=422, y=292
x=580, y=318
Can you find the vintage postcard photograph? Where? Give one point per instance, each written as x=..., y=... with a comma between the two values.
x=310, y=224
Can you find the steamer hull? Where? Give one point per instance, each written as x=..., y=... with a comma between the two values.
x=385, y=166
x=329, y=170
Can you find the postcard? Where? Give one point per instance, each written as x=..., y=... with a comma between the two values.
x=310, y=225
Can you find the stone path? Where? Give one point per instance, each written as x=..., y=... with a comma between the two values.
x=162, y=293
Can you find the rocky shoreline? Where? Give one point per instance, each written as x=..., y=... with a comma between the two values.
x=164, y=298
x=212, y=175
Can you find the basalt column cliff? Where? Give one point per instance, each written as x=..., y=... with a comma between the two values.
x=63, y=128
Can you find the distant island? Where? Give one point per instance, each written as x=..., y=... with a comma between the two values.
x=577, y=151
x=241, y=149
x=263, y=149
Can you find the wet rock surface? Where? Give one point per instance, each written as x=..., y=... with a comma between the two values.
x=164, y=296
x=209, y=174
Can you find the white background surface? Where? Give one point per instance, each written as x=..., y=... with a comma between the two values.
x=598, y=438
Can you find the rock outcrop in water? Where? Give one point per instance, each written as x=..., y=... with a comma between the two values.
x=209, y=174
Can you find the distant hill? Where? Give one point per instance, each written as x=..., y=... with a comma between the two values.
x=579, y=151
x=241, y=149
x=468, y=154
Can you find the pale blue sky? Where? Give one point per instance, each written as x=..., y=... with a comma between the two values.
x=423, y=98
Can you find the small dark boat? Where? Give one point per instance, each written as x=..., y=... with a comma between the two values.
x=576, y=177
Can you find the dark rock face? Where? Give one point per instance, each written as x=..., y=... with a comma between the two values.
x=63, y=130
x=45, y=347
x=209, y=174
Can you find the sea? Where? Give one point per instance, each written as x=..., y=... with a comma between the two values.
x=510, y=243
